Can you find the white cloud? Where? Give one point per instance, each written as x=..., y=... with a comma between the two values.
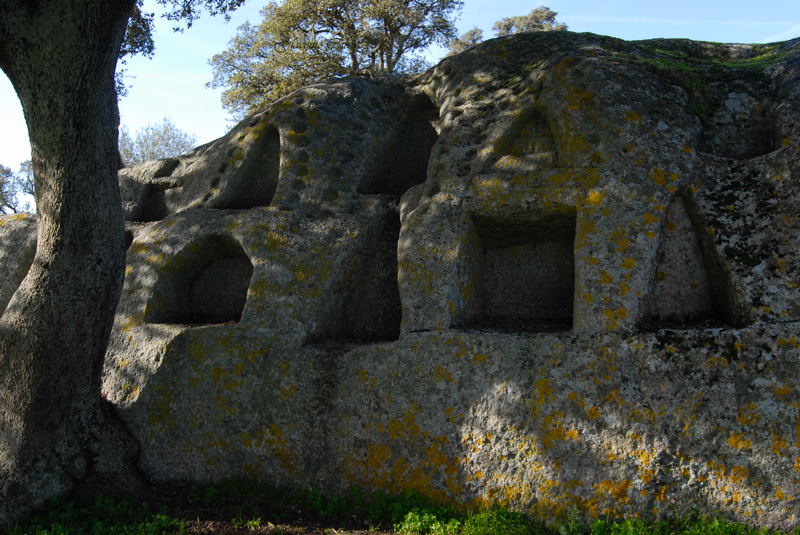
x=785, y=35
x=682, y=22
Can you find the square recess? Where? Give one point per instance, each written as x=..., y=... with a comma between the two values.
x=526, y=274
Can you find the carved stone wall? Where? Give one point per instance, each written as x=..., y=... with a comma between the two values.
x=556, y=271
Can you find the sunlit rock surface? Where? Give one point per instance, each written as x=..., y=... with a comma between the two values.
x=558, y=271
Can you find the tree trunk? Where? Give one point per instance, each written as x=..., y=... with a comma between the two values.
x=60, y=55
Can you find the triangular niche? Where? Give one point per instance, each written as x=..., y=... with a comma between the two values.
x=683, y=293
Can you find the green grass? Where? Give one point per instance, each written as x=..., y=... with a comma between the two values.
x=246, y=505
x=687, y=526
x=696, y=73
x=765, y=56
x=103, y=516
x=691, y=78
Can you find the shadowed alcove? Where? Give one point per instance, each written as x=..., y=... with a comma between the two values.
x=154, y=206
x=367, y=308
x=686, y=292
x=205, y=283
x=254, y=182
x=743, y=127
x=525, y=271
x=404, y=160
x=151, y=204
x=527, y=146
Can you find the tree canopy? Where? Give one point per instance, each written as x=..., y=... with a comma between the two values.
x=299, y=41
x=154, y=141
x=541, y=19
x=8, y=191
x=466, y=40
x=13, y=186
x=188, y=11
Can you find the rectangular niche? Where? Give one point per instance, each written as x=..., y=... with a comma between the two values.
x=365, y=308
x=525, y=272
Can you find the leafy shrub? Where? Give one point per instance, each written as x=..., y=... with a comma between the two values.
x=497, y=521
x=423, y=522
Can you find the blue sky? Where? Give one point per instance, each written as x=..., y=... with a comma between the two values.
x=173, y=83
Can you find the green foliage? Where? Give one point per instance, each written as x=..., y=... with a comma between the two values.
x=701, y=99
x=243, y=522
x=202, y=494
x=768, y=56
x=8, y=191
x=138, y=38
x=376, y=507
x=104, y=516
x=695, y=70
x=154, y=141
x=246, y=504
x=571, y=526
x=421, y=522
x=625, y=527
x=13, y=186
x=692, y=525
x=765, y=56
x=466, y=40
x=541, y=19
x=139, y=34
x=498, y=521
x=300, y=41
x=188, y=11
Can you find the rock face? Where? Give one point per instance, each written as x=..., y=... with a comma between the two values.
x=556, y=271
x=17, y=249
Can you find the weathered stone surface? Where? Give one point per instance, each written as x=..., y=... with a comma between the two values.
x=17, y=248
x=556, y=271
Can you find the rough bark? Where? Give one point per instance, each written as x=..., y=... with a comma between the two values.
x=60, y=55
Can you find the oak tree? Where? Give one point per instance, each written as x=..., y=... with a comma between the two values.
x=466, y=40
x=299, y=41
x=13, y=186
x=8, y=191
x=55, y=432
x=541, y=19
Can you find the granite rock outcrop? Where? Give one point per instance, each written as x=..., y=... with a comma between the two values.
x=557, y=271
